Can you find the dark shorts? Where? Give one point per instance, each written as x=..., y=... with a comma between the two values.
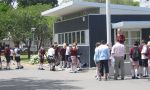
x=63, y=58
x=41, y=59
x=11, y=57
x=145, y=62
x=51, y=59
x=104, y=66
x=17, y=59
x=140, y=62
x=7, y=59
x=68, y=58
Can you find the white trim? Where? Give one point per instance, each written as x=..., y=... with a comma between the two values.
x=71, y=7
x=131, y=24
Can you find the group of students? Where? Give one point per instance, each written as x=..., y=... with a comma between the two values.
x=65, y=57
x=139, y=58
x=10, y=54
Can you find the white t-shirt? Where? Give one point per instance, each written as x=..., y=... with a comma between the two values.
x=143, y=52
x=16, y=52
x=67, y=50
x=11, y=52
x=51, y=52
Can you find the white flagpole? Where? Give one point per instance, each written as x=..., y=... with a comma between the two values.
x=108, y=21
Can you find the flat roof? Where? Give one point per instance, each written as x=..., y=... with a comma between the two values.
x=71, y=7
x=131, y=24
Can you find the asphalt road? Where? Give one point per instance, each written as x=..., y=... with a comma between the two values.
x=30, y=78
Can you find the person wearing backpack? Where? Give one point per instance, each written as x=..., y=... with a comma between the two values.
x=41, y=54
x=134, y=58
x=17, y=52
x=7, y=56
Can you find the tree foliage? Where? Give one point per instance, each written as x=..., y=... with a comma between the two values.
x=123, y=2
x=25, y=3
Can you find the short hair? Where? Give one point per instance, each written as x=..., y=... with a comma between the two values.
x=143, y=41
x=97, y=44
x=103, y=42
x=136, y=43
x=52, y=46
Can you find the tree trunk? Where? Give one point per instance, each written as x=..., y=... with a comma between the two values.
x=29, y=52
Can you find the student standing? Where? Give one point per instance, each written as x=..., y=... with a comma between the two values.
x=51, y=58
x=97, y=61
x=118, y=52
x=104, y=53
x=134, y=58
x=7, y=56
x=41, y=54
x=17, y=52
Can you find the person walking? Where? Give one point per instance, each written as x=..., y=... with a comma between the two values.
x=51, y=58
x=41, y=54
x=144, y=57
x=12, y=56
x=118, y=52
x=134, y=59
x=97, y=61
x=62, y=53
x=73, y=53
x=7, y=56
x=17, y=52
x=104, y=53
x=67, y=55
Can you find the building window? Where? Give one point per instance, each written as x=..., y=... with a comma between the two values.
x=78, y=37
x=82, y=37
x=71, y=37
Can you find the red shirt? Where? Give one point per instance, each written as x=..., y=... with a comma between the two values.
x=120, y=38
x=73, y=51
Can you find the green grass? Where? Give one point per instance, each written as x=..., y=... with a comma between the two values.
x=24, y=58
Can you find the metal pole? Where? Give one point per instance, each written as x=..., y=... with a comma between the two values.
x=108, y=21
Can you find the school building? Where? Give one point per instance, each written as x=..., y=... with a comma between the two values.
x=85, y=23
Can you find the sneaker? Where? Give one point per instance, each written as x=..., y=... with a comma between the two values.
x=42, y=69
x=21, y=67
x=133, y=77
x=136, y=77
x=122, y=78
x=17, y=68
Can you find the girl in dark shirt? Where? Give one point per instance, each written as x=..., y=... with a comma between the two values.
x=73, y=52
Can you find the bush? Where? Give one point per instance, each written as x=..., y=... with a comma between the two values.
x=34, y=59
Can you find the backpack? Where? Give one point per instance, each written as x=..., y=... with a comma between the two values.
x=7, y=51
x=135, y=54
x=18, y=51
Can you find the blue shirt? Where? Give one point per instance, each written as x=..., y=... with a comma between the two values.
x=104, y=52
x=96, y=55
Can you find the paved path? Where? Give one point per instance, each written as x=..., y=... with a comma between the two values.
x=30, y=78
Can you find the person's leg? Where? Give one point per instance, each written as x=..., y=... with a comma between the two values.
x=101, y=68
x=136, y=70
x=106, y=66
x=116, y=68
x=122, y=67
x=7, y=62
x=132, y=69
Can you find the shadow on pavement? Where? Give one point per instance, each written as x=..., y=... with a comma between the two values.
x=32, y=84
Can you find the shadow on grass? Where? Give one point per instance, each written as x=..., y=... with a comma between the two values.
x=32, y=84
